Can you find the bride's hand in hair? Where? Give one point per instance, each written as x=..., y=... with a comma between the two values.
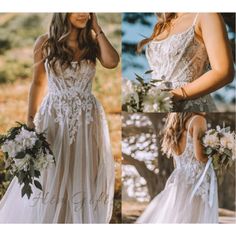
x=108, y=56
x=95, y=25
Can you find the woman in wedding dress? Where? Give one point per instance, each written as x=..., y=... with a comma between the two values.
x=190, y=194
x=79, y=188
x=180, y=51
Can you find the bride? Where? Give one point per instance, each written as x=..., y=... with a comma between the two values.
x=180, y=51
x=190, y=194
x=80, y=187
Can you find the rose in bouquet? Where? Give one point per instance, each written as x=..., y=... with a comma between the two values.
x=144, y=96
x=26, y=154
x=219, y=144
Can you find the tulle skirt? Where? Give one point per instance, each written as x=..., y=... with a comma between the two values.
x=79, y=188
x=175, y=204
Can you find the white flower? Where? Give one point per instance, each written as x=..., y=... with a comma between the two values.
x=211, y=140
x=43, y=161
x=227, y=141
x=26, y=139
x=10, y=147
x=5, y=147
x=128, y=92
x=157, y=101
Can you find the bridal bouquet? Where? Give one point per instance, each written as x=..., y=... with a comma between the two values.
x=145, y=96
x=220, y=145
x=26, y=154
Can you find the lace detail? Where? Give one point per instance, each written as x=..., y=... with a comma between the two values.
x=69, y=95
x=179, y=60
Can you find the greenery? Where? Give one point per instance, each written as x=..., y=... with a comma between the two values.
x=13, y=70
x=17, y=32
x=28, y=175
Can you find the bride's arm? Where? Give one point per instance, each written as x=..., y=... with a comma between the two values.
x=213, y=33
x=39, y=81
x=108, y=56
x=199, y=126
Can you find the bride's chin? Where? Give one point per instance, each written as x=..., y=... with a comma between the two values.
x=80, y=25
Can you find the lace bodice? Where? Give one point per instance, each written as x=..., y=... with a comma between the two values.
x=75, y=80
x=192, y=169
x=178, y=60
x=69, y=94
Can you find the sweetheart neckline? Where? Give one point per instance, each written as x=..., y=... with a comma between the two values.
x=76, y=62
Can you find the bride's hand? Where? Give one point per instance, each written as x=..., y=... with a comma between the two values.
x=175, y=95
x=95, y=25
x=179, y=94
x=30, y=124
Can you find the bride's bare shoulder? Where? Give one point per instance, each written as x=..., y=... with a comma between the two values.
x=210, y=18
x=199, y=122
x=40, y=41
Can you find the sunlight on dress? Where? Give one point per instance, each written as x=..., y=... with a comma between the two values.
x=190, y=194
x=178, y=60
x=80, y=187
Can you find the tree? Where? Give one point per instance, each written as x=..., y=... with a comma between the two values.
x=141, y=131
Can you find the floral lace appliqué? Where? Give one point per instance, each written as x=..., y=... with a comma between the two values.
x=69, y=96
x=179, y=60
x=193, y=169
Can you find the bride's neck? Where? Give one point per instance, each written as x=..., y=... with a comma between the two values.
x=73, y=34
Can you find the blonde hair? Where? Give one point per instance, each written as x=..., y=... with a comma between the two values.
x=164, y=20
x=175, y=126
x=55, y=48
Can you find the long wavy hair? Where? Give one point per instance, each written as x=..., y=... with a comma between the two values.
x=163, y=23
x=55, y=48
x=175, y=126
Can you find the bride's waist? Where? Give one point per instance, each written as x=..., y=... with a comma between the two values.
x=71, y=94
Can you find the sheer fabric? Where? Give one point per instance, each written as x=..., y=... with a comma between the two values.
x=179, y=60
x=80, y=187
x=190, y=194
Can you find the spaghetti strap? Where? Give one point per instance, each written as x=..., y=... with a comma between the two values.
x=195, y=19
x=191, y=121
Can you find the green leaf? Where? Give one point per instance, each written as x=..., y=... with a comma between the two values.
x=21, y=177
x=31, y=170
x=20, y=155
x=139, y=78
x=38, y=184
x=156, y=80
x=148, y=72
x=223, y=158
x=26, y=190
x=36, y=173
x=208, y=151
x=227, y=152
x=38, y=143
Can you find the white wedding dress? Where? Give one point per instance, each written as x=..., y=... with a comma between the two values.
x=178, y=60
x=79, y=188
x=190, y=194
